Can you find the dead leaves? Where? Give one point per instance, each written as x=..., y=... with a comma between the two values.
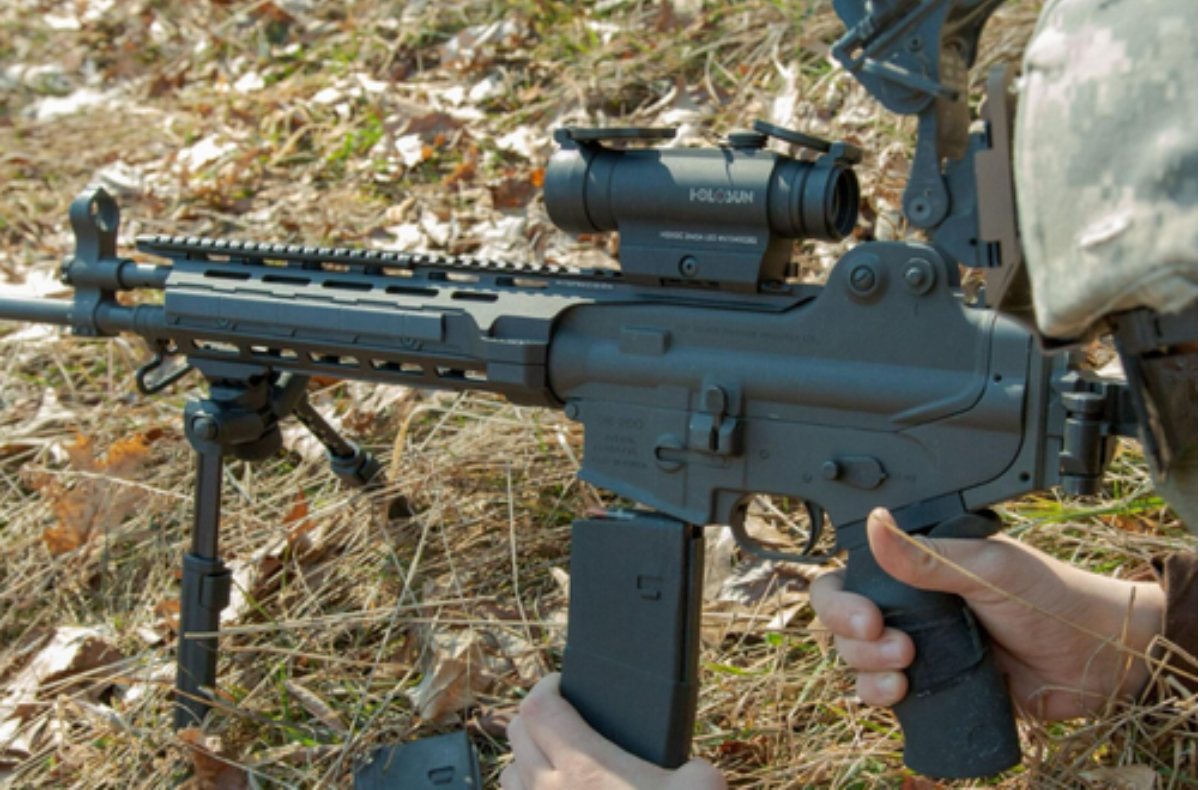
x=1124, y=777
x=515, y=192
x=298, y=526
x=460, y=664
x=752, y=596
x=452, y=681
x=920, y=783
x=98, y=500
x=62, y=666
x=212, y=767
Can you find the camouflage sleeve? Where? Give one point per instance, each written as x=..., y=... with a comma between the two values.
x=1105, y=160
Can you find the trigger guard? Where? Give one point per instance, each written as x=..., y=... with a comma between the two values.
x=816, y=515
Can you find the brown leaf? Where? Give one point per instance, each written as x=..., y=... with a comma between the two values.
x=127, y=456
x=667, y=20
x=919, y=783
x=81, y=455
x=748, y=752
x=297, y=518
x=169, y=611
x=456, y=670
x=513, y=192
x=1122, y=777
x=754, y=579
x=464, y=170
x=211, y=767
x=80, y=510
x=72, y=651
x=432, y=127
x=448, y=689
x=65, y=539
x=266, y=577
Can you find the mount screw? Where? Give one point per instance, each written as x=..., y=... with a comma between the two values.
x=863, y=280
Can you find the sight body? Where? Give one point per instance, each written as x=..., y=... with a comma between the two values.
x=723, y=217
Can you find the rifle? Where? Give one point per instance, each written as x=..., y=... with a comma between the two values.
x=702, y=373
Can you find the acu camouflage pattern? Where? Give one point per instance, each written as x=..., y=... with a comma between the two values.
x=1106, y=161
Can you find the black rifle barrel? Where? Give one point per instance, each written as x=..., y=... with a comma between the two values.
x=105, y=319
x=37, y=311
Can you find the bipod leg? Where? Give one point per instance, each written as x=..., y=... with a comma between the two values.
x=206, y=587
x=239, y=419
x=353, y=465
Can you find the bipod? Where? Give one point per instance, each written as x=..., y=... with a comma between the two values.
x=239, y=418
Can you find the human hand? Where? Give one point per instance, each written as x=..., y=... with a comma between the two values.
x=554, y=748
x=1050, y=623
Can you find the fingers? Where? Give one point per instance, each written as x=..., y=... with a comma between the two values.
x=892, y=651
x=555, y=748
x=696, y=774
x=882, y=689
x=858, y=629
x=528, y=760
x=510, y=779
x=562, y=735
x=845, y=614
x=930, y=564
x=876, y=652
x=550, y=720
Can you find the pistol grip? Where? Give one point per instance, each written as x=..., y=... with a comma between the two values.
x=958, y=717
x=632, y=641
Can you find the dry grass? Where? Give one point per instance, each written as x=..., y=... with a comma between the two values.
x=341, y=123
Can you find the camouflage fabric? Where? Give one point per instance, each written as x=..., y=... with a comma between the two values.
x=1106, y=161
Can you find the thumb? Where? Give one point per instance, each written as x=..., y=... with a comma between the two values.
x=560, y=732
x=930, y=563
